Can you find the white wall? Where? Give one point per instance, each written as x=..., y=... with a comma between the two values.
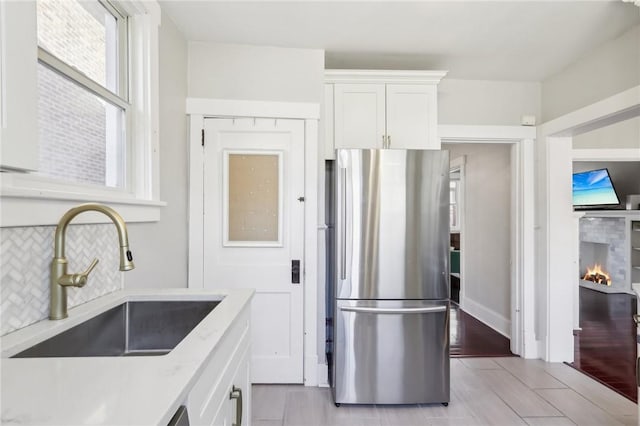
x=481, y=102
x=603, y=72
x=486, y=234
x=160, y=248
x=236, y=71
x=621, y=135
x=244, y=72
x=606, y=70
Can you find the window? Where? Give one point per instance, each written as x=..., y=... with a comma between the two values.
x=82, y=102
x=79, y=99
x=454, y=200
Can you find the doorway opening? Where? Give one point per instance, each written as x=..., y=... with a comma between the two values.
x=604, y=335
x=480, y=252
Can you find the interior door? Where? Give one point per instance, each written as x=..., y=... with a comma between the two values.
x=254, y=233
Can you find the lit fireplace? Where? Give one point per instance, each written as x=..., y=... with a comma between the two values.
x=597, y=275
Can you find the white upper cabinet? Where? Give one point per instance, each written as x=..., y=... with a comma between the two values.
x=383, y=109
x=412, y=112
x=359, y=115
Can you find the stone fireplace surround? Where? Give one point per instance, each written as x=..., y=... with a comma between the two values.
x=604, y=236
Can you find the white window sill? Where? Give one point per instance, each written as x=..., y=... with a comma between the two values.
x=31, y=207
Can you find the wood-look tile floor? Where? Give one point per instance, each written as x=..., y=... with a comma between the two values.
x=484, y=391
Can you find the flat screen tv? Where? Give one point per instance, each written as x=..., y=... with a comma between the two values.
x=593, y=189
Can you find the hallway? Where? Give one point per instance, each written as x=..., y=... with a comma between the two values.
x=471, y=338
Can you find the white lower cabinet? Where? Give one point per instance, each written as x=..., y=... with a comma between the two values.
x=222, y=394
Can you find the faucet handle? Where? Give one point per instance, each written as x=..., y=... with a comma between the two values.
x=77, y=280
x=94, y=262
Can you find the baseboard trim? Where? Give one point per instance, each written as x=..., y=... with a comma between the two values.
x=487, y=316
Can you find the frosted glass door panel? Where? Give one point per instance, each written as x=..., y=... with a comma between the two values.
x=253, y=200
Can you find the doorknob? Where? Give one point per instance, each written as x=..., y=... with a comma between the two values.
x=295, y=272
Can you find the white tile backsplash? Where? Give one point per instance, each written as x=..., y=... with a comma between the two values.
x=25, y=257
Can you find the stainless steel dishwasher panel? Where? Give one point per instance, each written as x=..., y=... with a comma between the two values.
x=391, y=352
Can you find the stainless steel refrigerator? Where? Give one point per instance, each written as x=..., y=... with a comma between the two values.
x=391, y=295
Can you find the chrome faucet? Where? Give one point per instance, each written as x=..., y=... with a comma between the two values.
x=60, y=279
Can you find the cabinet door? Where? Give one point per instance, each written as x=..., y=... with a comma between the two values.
x=237, y=406
x=242, y=383
x=412, y=116
x=18, y=89
x=359, y=115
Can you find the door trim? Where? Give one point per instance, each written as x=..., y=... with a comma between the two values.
x=258, y=109
x=522, y=238
x=198, y=110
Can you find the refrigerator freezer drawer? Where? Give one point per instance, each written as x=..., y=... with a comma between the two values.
x=391, y=352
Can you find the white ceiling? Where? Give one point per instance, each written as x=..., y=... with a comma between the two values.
x=494, y=40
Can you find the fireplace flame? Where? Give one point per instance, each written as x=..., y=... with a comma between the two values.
x=597, y=275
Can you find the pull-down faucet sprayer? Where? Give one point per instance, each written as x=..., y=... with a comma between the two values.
x=60, y=279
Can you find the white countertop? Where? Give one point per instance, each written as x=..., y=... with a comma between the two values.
x=110, y=390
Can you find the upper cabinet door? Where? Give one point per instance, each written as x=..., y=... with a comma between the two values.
x=412, y=116
x=18, y=81
x=359, y=115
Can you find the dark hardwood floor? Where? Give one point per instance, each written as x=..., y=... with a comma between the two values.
x=470, y=337
x=605, y=348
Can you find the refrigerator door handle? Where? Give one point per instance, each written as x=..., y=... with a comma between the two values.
x=343, y=219
x=425, y=310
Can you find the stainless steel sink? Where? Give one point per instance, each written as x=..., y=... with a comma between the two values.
x=131, y=329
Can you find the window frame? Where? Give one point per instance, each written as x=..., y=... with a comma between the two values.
x=139, y=198
x=454, y=186
x=457, y=165
x=119, y=98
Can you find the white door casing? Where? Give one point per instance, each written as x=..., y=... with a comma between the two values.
x=522, y=324
x=251, y=241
